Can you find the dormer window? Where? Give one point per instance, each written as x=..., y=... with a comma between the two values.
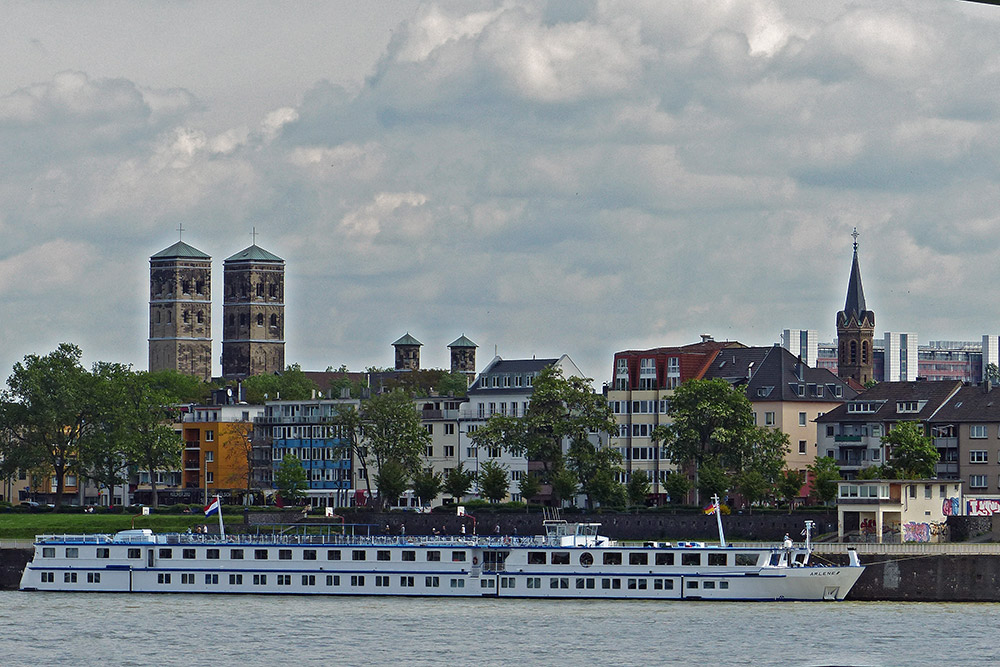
x=910, y=406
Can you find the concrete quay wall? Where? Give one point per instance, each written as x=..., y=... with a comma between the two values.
x=929, y=578
x=12, y=562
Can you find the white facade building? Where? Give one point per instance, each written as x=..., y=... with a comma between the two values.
x=802, y=343
x=901, y=360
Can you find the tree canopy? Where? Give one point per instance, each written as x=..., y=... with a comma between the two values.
x=913, y=454
x=289, y=385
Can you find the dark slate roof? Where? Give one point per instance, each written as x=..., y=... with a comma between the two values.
x=934, y=392
x=775, y=374
x=407, y=339
x=462, y=341
x=254, y=254
x=971, y=404
x=854, y=306
x=511, y=367
x=180, y=250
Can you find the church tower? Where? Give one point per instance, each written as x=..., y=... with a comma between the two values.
x=855, y=329
x=463, y=357
x=253, y=311
x=180, y=311
x=407, y=353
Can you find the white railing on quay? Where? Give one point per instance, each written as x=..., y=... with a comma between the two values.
x=910, y=548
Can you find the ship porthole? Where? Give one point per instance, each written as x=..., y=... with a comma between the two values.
x=586, y=559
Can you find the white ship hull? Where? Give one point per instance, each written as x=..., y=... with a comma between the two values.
x=431, y=566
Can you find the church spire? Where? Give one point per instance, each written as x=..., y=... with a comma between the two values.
x=855, y=304
x=855, y=328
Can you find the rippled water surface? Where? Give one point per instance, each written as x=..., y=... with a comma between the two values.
x=90, y=629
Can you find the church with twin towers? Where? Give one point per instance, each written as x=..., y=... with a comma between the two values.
x=180, y=312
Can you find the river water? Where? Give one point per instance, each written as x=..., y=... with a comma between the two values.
x=117, y=629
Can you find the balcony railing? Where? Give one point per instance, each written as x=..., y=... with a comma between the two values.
x=848, y=438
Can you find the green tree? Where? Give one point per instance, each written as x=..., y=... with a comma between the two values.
x=753, y=486
x=561, y=410
x=48, y=410
x=104, y=450
x=713, y=420
x=825, y=475
x=790, y=483
x=182, y=387
x=427, y=485
x=565, y=485
x=529, y=487
x=712, y=479
x=596, y=470
x=876, y=472
x=493, y=480
x=151, y=441
x=391, y=481
x=637, y=488
x=603, y=487
x=913, y=454
x=992, y=374
x=291, y=480
x=289, y=385
x=458, y=481
x=677, y=486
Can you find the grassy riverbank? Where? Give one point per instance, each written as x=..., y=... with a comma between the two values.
x=24, y=526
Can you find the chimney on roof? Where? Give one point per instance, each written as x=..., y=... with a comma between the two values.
x=707, y=338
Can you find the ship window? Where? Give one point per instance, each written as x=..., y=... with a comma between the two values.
x=638, y=559
x=188, y=553
x=236, y=554
x=747, y=560
x=536, y=558
x=580, y=582
x=333, y=580
x=358, y=554
x=166, y=553
x=260, y=579
x=50, y=552
x=93, y=577
x=187, y=578
x=383, y=554
x=308, y=579
x=708, y=584
x=48, y=577
x=407, y=582
x=717, y=559
x=534, y=582
x=724, y=585
x=560, y=558
x=135, y=553
x=70, y=577
x=103, y=552
x=284, y=580
x=616, y=584
x=691, y=559
x=559, y=582
x=775, y=559
x=74, y=552
x=212, y=554
x=236, y=579
x=260, y=554
x=458, y=583
x=457, y=556
x=586, y=559
x=163, y=578
x=410, y=556
x=211, y=578
x=692, y=584
x=309, y=554
x=613, y=558
x=333, y=554
x=432, y=582
x=284, y=554
x=664, y=558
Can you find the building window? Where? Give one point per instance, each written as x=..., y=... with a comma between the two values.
x=978, y=456
x=768, y=419
x=449, y=451
x=977, y=481
x=210, y=478
x=802, y=419
x=977, y=431
x=209, y=437
x=802, y=446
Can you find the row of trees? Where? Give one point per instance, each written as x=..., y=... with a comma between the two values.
x=58, y=418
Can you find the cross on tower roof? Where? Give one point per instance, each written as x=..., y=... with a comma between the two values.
x=180, y=231
x=855, y=235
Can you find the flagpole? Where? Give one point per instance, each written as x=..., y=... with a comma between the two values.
x=222, y=527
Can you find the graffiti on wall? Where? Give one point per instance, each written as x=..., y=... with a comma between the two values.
x=983, y=506
x=867, y=527
x=951, y=507
x=916, y=532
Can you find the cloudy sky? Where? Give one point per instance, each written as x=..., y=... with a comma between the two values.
x=544, y=177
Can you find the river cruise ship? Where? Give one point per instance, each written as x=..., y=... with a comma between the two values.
x=571, y=560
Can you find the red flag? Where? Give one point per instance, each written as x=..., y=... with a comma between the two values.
x=278, y=501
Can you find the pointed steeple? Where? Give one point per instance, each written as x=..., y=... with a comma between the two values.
x=855, y=329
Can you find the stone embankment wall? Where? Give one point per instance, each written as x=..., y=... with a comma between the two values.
x=930, y=578
x=12, y=562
